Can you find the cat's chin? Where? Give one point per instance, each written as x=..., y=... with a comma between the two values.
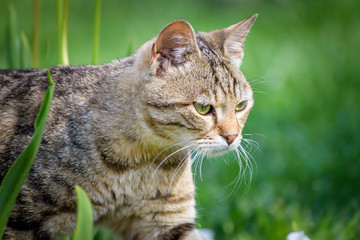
x=221, y=151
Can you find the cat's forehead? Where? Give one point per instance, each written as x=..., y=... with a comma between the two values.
x=221, y=81
x=206, y=49
x=208, y=79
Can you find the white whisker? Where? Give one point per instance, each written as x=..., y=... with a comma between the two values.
x=173, y=145
x=186, y=169
x=162, y=142
x=238, y=179
x=199, y=162
x=245, y=164
x=258, y=80
x=179, y=166
x=183, y=148
x=255, y=91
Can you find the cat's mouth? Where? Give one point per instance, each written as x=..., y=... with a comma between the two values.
x=220, y=148
x=217, y=153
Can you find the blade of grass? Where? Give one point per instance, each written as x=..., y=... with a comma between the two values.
x=25, y=55
x=64, y=27
x=17, y=173
x=46, y=52
x=96, y=32
x=36, y=33
x=84, y=222
x=130, y=49
x=13, y=39
x=59, y=17
x=103, y=234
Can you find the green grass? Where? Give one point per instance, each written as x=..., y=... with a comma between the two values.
x=302, y=59
x=84, y=223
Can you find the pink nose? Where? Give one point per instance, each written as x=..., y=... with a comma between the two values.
x=230, y=138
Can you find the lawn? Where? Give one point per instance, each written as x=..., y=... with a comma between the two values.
x=302, y=59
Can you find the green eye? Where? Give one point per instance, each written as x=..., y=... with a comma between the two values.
x=202, y=109
x=241, y=106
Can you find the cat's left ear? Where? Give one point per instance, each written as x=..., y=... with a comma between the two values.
x=175, y=41
x=235, y=38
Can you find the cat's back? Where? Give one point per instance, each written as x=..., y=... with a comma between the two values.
x=21, y=93
x=26, y=86
x=19, y=85
x=20, y=96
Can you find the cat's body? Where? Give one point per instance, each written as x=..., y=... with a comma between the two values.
x=123, y=132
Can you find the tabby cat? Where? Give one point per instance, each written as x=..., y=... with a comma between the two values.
x=124, y=132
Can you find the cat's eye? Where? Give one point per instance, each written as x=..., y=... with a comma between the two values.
x=241, y=106
x=202, y=109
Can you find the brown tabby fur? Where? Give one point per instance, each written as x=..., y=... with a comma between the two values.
x=123, y=131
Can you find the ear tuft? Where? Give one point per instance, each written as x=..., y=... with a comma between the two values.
x=174, y=42
x=236, y=34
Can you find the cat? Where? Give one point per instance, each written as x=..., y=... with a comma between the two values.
x=125, y=132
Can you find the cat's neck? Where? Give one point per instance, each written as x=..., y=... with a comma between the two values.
x=126, y=136
x=140, y=153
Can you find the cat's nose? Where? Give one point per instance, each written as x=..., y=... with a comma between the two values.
x=230, y=138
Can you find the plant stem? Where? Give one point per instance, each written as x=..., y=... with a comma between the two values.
x=25, y=55
x=59, y=16
x=96, y=32
x=64, y=25
x=36, y=33
x=13, y=39
x=84, y=221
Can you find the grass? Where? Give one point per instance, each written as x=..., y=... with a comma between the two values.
x=302, y=60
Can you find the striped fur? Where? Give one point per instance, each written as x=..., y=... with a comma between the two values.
x=124, y=132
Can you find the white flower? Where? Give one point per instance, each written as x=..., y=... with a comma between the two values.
x=206, y=234
x=297, y=236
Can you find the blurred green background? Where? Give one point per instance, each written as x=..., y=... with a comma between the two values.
x=302, y=58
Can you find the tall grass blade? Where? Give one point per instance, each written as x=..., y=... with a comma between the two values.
x=15, y=177
x=25, y=54
x=64, y=28
x=36, y=33
x=84, y=222
x=96, y=32
x=13, y=39
x=130, y=49
x=59, y=17
x=46, y=53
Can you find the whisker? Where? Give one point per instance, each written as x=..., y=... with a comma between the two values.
x=255, y=82
x=255, y=91
x=188, y=167
x=241, y=175
x=179, y=166
x=199, y=162
x=252, y=134
x=258, y=80
x=238, y=179
x=162, y=142
x=183, y=148
x=173, y=145
x=250, y=142
x=248, y=161
x=245, y=164
x=242, y=172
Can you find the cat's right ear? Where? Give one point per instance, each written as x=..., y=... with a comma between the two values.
x=173, y=43
x=235, y=38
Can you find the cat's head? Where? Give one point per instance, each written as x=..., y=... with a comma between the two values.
x=194, y=95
